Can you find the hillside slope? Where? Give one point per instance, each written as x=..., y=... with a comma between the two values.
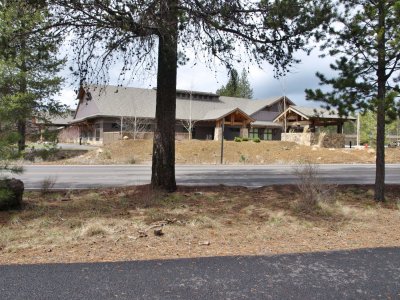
x=208, y=152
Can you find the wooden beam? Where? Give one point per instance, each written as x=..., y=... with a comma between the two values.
x=299, y=123
x=327, y=123
x=234, y=123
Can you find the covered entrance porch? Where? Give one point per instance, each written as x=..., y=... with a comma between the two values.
x=308, y=126
x=231, y=124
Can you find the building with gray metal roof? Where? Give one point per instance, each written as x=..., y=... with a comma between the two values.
x=108, y=113
x=105, y=111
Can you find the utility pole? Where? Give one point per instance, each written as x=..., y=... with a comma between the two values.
x=283, y=85
x=134, y=128
x=284, y=109
x=190, y=114
x=222, y=141
x=122, y=123
x=358, y=129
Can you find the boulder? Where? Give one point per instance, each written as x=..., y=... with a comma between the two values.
x=11, y=191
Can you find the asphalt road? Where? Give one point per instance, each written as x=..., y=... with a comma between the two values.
x=361, y=274
x=78, y=177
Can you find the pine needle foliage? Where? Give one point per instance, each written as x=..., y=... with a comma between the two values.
x=366, y=41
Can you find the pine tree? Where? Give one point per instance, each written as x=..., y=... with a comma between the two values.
x=247, y=91
x=8, y=150
x=28, y=64
x=368, y=128
x=237, y=86
x=366, y=37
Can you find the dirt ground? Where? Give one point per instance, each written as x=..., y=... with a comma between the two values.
x=208, y=152
x=121, y=224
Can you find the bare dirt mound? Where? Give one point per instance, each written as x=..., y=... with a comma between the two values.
x=208, y=152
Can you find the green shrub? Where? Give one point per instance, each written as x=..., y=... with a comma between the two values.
x=106, y=154
x=48, y=152
x=50, y=136
x=5, y=198
x=11, y=191
x=8, y=148
x=238, y=139
x=245, y=139
x=256, y=140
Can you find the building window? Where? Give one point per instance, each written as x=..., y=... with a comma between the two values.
x=261, y=133
x=267, y=134
x=253, y=133
x=115, y=125
x=97, y=132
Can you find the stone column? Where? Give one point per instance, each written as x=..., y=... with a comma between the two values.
x=218, y=133
x=244, y=132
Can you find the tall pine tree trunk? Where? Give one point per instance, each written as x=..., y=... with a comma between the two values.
x=21, y=127
x=380, y=134
x=23, y=88
x=163, y=165
x=21, y=122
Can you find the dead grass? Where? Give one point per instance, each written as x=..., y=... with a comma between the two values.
x=208, y=152
x=118, y=224
x=313, y=194
x=93, y=229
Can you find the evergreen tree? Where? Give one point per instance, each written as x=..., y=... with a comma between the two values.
x=8, y=150
x=247, y=91
x=133, y=30
x=368, y=128
x=237, y=86
x=28, y=64
x=366, y=37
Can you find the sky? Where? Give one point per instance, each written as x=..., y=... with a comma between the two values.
x=200, y=77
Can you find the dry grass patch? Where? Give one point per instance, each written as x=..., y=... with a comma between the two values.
x=313, y=195
x=118, y=224
x=208, y=152
x=94, y=229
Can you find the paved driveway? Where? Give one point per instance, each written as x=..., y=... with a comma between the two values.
x=75, y=177
x=361, y=274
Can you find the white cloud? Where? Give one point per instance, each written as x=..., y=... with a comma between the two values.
x=67, y=96
x=201, y=77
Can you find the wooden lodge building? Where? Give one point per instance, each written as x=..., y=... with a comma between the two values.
x=103, y=114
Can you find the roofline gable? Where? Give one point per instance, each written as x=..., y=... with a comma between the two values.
x=294, y=109
x=237, y=109
x=272, y=103
x=290, y=109
x=80, y=94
